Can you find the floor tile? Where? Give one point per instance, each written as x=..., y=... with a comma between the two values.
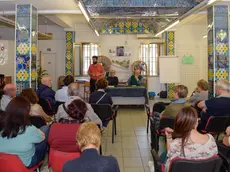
x=131, y=153
x=134, y=170
x=133, y=162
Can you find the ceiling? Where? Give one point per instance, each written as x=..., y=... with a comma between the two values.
x=135, y=16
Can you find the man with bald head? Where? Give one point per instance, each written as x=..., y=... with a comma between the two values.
x=45, y=91
x=9, y=94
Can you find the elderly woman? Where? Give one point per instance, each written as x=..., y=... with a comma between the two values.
x=112, y=79
x=135, y=79
x=201, y=92
x=89, y=140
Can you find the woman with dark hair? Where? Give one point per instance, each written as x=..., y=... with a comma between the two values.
x=185, y=141
x=35, y=109
x=19, y=137
x=77, y=112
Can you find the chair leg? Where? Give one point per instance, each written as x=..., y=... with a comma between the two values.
x=115, y=121
x=113, y=128
x=100, y=150
x=148, y=125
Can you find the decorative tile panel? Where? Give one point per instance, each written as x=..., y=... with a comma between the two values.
x=70, y=38
x=26, y=46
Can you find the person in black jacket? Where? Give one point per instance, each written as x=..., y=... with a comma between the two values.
x=89, y=140
x=112, y=79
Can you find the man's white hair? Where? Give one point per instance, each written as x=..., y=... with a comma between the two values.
x=73, y=89
x=223, y=84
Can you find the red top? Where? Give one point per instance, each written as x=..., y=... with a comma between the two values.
x=96, y=70
x=62, y=137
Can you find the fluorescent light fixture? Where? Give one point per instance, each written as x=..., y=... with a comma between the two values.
x=172, y=25
x=159, y=33
x=205, y=36
x=211, y=2
x=83, y=11
x=169, y=27
x=96, y=32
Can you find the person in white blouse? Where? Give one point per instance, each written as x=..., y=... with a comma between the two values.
x=62, y=94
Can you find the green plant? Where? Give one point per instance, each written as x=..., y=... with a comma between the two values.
x=40, y=74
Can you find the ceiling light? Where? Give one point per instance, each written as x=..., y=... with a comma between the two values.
x=172, y=25
x=205, y=36
x=83, y=11
x=96, y=32
x=211, y=2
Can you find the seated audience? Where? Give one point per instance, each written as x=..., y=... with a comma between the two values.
x=35, y=109
x=200, y=94
x=112, y=79
x=89, y=140
x=217, y=106
x=180, y=93
x=226, y=140
x=19, y=137
x=100, y=96
x=73, y=92
x=45, y=91
x=135, y=79
x=62, y=94
x=9, y=94
x=185, y=141
x=62, y=135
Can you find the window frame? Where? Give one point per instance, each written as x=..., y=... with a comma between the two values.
x=148, y=57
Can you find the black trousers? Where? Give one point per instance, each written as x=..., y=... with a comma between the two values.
x=92, y=85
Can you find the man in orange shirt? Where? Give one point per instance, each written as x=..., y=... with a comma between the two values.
x=96, y=71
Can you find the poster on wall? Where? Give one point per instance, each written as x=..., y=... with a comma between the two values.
x=120, y=51
x=3, y=52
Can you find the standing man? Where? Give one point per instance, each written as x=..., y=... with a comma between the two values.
x=96, y=71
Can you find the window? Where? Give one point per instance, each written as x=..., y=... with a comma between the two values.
x=149, y=54
x=89, y=50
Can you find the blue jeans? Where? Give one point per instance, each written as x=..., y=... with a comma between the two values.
x=40, y=148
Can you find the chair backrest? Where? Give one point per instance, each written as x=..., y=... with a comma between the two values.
x=216, y=124
x=166, y=122
x=37, y=121
x=212, y=164
x=103, y=111
x=57, y=159
x=46, y=106
x=62, y=137
x=11, y=163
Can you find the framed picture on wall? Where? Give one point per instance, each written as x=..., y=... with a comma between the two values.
x=120, y=51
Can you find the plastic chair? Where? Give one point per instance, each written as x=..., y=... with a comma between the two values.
x=57, y=159
x=148, y=113
x=224, y=153
x=216, y=125
x=106, y=112
x=212, y=164
x=157, y=132
x=12, y=163
x=46, y=106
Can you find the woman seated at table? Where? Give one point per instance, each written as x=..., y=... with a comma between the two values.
x=135, y=79
x=185, y=141
x=112, y=79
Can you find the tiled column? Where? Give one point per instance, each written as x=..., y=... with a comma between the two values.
x=218, y=46
x=69, y=62
x=170, y=51
x=26, y=46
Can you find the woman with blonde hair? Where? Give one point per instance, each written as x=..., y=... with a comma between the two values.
x=35, y=110
x=89, y=140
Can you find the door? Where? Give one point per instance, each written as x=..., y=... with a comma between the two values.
x=48, y=62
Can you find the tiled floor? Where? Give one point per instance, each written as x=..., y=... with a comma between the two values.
x=131, y=146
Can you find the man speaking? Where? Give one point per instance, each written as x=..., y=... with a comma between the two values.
x=96, y=71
